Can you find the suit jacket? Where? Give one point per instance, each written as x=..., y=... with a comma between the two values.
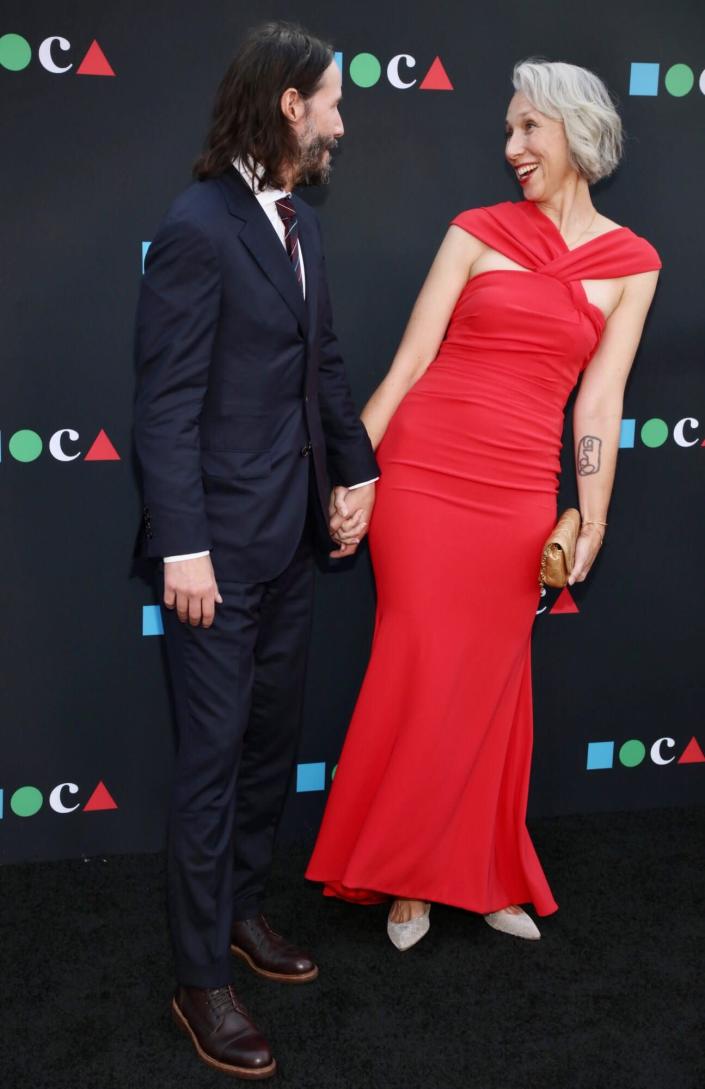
x=240, y=385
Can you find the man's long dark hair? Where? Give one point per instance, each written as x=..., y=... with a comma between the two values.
x=247, y=119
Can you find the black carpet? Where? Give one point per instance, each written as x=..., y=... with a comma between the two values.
x=613, y=996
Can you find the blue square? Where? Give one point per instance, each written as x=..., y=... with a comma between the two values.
x=145, y=247
x=626, y=434
x=152, y=620
x=600, y=754
x=310, y=777
x=644, y=79
x=338, y=58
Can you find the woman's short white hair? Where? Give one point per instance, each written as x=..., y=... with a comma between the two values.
x=581, y=101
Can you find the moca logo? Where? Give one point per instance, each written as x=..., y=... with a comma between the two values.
x=27, y=446
x=365, y=70
x=655, y=432
x=16, y=53
x=679, y=80
x=26, y=801
x=600, y=754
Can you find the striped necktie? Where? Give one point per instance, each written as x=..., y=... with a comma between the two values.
x=287, y=214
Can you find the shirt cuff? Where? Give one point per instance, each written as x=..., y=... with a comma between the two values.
x=363, y=484
x=188, y=556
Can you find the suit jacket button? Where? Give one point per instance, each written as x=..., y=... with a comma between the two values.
x=306, y=450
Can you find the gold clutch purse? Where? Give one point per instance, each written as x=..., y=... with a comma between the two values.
x=558, y=554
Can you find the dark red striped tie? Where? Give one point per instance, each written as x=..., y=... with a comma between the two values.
x=287, y=214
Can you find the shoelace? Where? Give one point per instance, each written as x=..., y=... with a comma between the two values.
x=222, y=997
x=284, y=945
x=266, y=925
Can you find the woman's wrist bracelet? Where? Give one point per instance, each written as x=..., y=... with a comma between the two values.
x=593, y=522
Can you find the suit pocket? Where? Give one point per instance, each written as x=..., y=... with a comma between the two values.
x=236, y=446
x=236, y=465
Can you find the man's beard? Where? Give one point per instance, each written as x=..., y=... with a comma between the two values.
x=314, y=167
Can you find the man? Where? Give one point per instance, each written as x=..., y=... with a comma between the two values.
x=242, y=405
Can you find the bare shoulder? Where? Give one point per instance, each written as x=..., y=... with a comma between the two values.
x=461, y=244
x=603, y=225
x=637, y=293
x=640, y=286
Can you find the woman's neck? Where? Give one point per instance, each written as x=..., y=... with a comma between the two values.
x=570, y=208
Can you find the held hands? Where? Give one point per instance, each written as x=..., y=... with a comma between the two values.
x=588, y=545
x=190, y=588
x=349, y=513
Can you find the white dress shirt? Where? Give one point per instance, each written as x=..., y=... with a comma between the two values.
x=266, y=199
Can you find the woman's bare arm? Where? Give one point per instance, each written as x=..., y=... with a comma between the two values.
x=598, y=412
x=426, y=328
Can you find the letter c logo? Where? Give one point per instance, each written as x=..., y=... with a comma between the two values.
x=679, y=431
x=45, y=58
x=393, y=71
x=55, y=444
x=656, y=750
x=55, y=798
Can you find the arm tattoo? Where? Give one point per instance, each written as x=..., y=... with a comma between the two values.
x=588, y=459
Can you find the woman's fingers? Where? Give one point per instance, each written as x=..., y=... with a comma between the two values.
x=344, y=550
x=350, y=530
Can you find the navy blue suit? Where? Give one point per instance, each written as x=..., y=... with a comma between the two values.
x=242, y=414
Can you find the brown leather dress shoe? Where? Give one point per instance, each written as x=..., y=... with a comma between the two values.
x=222, y=1031
x=270, y=955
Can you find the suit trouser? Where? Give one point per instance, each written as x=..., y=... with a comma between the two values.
x=238, y=689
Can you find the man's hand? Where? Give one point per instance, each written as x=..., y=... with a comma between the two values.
x=350, y=512
x=190, y=588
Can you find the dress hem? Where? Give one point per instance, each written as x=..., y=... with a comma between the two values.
x=368, y=897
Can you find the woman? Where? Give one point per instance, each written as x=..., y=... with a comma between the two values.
x=429, y=799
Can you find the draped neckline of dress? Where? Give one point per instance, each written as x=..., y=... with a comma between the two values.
x=561, y=262
x=556, y=232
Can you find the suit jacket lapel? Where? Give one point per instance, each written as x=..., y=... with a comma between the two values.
x=311, y=251
x=261, y=240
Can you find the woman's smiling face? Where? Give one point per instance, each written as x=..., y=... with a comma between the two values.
x=536, y=149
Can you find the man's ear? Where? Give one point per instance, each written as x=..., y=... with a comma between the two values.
x=292, y=105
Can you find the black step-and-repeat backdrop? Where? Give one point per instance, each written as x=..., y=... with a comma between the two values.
x=103, y=110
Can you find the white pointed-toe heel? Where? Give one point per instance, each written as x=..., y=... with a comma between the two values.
x=404, y=935
x=521, y=925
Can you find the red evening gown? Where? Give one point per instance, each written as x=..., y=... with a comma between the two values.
x=429, y=798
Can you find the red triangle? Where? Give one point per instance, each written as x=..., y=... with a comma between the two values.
x=100, y=799
x=436, y=79
x=693, y=754
x=703, y=443
x=102, y=449
x=95, y=63
x=564, y=603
